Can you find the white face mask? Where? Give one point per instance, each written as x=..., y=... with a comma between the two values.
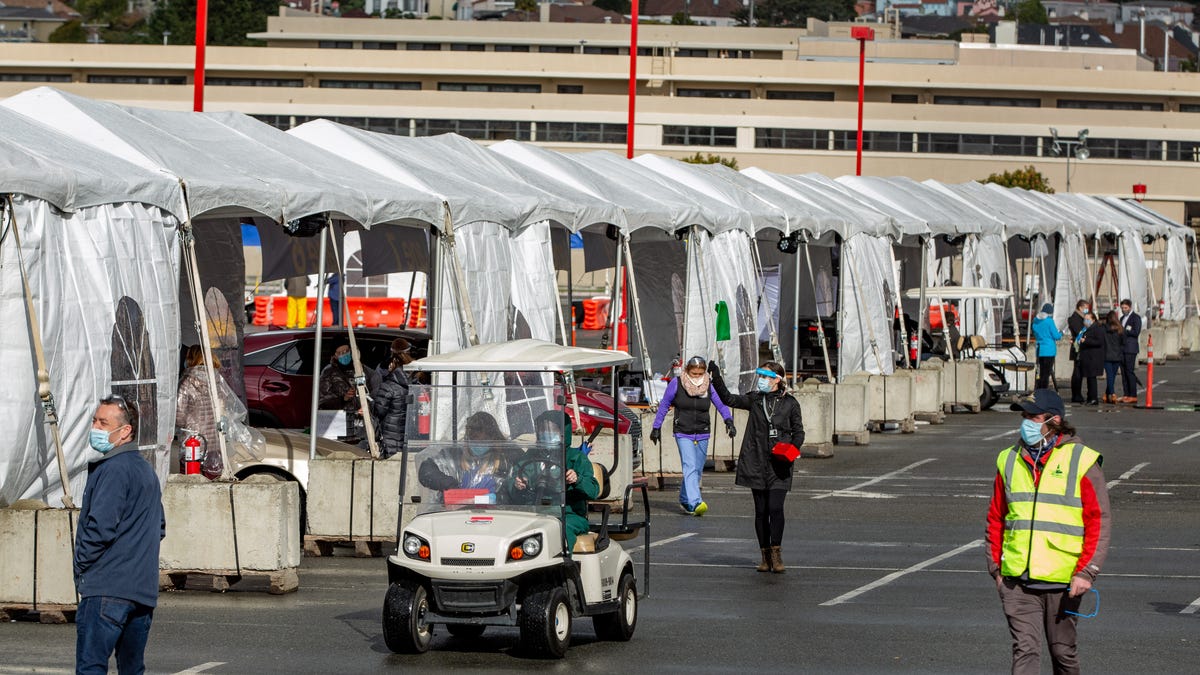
x=696, y=381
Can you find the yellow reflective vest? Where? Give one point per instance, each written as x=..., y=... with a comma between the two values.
x=1043, y=529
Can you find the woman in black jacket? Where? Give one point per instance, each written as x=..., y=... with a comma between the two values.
x=389, y=403
x=1091, y=356
x=1114, y=350
x=774, y=423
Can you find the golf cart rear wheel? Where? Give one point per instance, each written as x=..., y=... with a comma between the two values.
x=546, y=622
x=618, y=626
x=988, y=398
x=404, y=608
x=465, y=630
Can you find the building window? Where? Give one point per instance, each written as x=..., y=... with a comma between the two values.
x=1124, y=148
x=557, y=49
x=693, y=53
x=570, y=88
x=713, y=93
x=706, y=136
x=905, y=98
x=1181, y=151
x=251, y=82
x=423, y=46
x=1110, y=105
x=581, y=132
x=335, y=44
x=484, y=130
x=369, y=84
x=792, y=139
x=34, y=77
x=783, y=95
x=284, y=122
x=886, y=141
x=135, y=79
x=612, y=51
x=512, y=48
x=490, y=87
x=379, y=45
x=988, y=101
x=384, y=125
x=465, y=47
x=1189, y=107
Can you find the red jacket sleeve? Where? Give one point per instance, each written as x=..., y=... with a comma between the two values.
x=997, y=510
x=1097, y=523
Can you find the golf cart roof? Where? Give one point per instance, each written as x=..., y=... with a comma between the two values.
x=958, y=293
x=521, y=355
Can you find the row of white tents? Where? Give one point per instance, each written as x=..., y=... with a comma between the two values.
x=129, y=237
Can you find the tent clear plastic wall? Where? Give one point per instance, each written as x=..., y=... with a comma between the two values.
x=721, y=270
x=866, y=297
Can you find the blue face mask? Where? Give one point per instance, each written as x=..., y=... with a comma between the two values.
x=345, y=359
x=763, y=385
x=98, y=439
x=1031, y=433
x=479, y=450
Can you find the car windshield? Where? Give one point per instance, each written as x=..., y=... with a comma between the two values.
x=498, y=442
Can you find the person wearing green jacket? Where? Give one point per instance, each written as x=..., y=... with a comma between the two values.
x=553, y=431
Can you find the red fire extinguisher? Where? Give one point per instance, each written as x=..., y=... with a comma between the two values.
x=676, y=369
x=912, y=347
x=423, y=413
x=191, y=454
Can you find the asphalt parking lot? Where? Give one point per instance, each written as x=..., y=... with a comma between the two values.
x=885, y=574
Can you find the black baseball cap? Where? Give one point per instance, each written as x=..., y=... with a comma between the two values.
x=1043, y=401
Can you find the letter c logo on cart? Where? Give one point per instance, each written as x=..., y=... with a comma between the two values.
x=468, y=547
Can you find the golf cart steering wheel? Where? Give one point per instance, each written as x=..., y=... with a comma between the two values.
x=543, y=468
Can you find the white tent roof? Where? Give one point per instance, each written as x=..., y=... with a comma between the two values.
x=1088, y=226
x=856, y=216
x=1136, y=208
x=762, y=215
x=1091, y=207
x=800, y=214
x=942, y=213
x=469, y=201
x=539, y=164
x=521, y=355
x=1019, y=217
x=711, y=214
x=37, y=161
x=1152, y=225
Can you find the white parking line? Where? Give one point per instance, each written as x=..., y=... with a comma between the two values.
x=882, y=581
x=201, y=668
x=1191, y=609
x=660, y=542
x=1185, y=439
x=1006, y=433
x=1128, y=474
x=873, y=481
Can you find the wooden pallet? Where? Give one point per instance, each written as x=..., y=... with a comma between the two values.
x=219, y=581
x=47, y=613
x=934, y=417
x=852, y=437
x=320, y=546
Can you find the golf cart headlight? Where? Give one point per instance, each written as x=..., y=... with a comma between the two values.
x=416, y=547
x=528, y=547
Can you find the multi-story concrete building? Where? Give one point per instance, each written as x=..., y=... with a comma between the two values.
x=767, y=97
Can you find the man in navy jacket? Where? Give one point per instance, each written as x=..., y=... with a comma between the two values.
x=1133, y=328
x=116, y=548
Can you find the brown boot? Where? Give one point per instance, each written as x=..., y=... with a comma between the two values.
x=765, y=565
x=777, y=561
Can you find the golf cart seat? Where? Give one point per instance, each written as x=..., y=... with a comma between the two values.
x=969, y=344
x=598, y=472
x=586, y=542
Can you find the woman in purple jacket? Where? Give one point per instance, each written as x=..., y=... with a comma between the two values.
x=691, y=394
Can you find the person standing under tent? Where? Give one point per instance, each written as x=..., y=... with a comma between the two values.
x=770, y=447
x=389, y=403
x=121, y=523
x=1133, y=328
x=297, y=301
x=1047, y=336
x=691, y=394
x=1048, y=529
x=1114, y=352
x=1083, y=308
x=333, y=287
x=1091, y=356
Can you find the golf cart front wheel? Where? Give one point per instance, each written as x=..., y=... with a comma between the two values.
x=546, y=622
x=404, y=609
x=618, y=626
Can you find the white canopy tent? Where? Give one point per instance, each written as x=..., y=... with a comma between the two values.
x=1175, y=292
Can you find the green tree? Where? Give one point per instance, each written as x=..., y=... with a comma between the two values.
x=681, y=19
x=526, y=6
x=1027, y=177
x=791, y=13
x=709, y=158
x=618, y=6
x=1031, y=12
x=228, y=21
x=71, y=31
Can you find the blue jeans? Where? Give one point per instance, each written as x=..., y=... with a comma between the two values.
x=1110, y=376
x=105, y=624
x=692, y=455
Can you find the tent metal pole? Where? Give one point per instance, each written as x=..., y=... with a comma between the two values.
x=776, y=352
x=921, y=280
x=812, y=279
x=465, y=313
x=1091, y=279
x=1012, y=297
x=637, y=317
x=319, y=320
x=796, y=321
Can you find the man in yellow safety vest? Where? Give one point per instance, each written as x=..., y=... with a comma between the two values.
x=1048, y=529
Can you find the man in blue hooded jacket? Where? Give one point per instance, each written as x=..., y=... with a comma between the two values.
x=1047, y=335
x=116, y=548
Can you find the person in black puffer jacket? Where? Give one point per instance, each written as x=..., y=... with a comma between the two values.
x=389, y=404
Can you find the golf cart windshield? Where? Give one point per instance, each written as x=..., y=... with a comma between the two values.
x=488, y=440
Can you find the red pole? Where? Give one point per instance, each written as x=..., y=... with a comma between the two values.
x=1150, y=371
x=862, y=69
x=633, y=55
x=201, y=40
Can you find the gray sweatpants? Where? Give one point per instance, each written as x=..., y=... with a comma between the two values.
x=1030, y=613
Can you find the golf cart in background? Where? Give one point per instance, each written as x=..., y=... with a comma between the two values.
x=953, y=320
x=492, y=550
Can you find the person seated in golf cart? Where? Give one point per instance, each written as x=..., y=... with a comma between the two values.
x=539, y=467
x=481, y=467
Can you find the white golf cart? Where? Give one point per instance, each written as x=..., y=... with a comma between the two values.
x=492, y=511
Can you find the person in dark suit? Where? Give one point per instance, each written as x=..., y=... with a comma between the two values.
x=1083, y=309
x=1091, y=356
x=1133, y=328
